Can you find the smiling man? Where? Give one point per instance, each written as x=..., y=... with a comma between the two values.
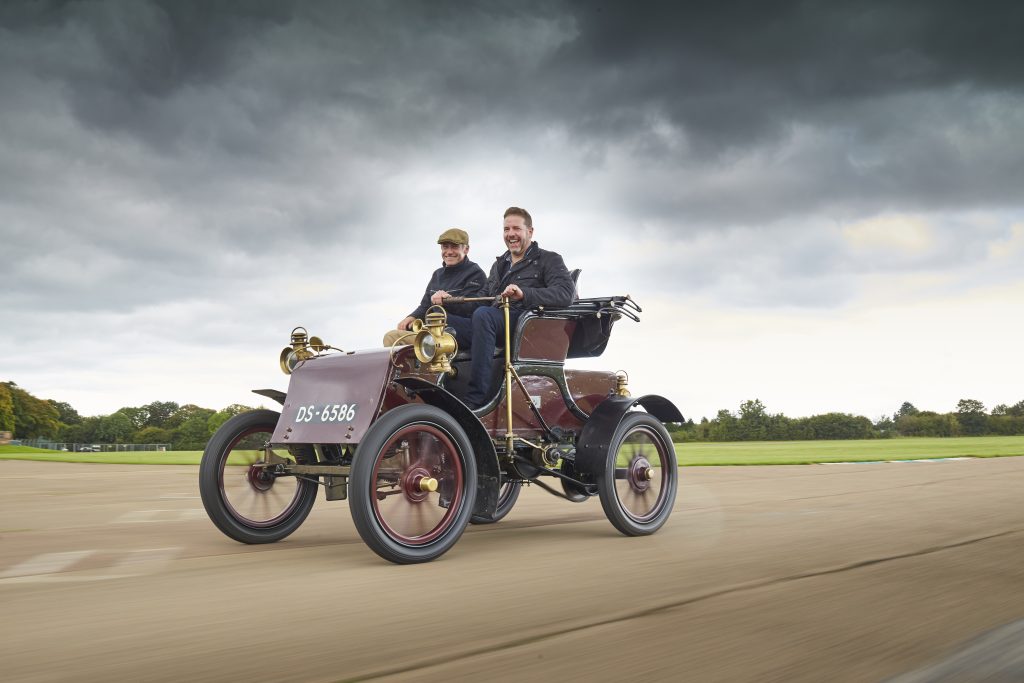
x=530, y=277
x=457, y=276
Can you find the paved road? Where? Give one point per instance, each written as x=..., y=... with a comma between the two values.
x=827, y=572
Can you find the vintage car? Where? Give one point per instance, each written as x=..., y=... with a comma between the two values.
x=387, y=429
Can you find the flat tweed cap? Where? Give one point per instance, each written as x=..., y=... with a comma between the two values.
x=455, y=236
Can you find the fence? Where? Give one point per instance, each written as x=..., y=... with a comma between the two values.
x=96, y=447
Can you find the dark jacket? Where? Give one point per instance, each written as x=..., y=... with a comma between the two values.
x=463, y=279
x=541, y=275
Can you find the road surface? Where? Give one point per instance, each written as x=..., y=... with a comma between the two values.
x=868, y=572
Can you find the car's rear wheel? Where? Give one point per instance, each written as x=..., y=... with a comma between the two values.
x=507, y=496
x=638, y=484
x=413, y=484
x=242, y=493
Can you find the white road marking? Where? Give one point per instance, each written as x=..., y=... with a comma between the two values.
x=137, y=516
x=46, y=563
x=47, y=568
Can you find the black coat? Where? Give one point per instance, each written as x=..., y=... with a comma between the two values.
x=463, y=279
x=541, y=275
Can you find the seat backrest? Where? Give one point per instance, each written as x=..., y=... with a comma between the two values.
x=575, y=275
x=542, y=338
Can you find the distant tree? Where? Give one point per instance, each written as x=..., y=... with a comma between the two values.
x=999, y=409
x=724, y=427
x=65, y=413
x=114, y=428
x=159, y=412
x=884, y=426
x=137, y=416
x=971, y=416
x=970, y=405
x=6, y=409
x=83, y=432
x=152, y=435
x=840, y=426
x=214, y=422
x=185, y=413
x=194, y=431
x=702, y=431
x=1006, y=425
x=753, y=421
x=33, y=417
x=906, y=410
x=928, y=423
x=1016, y=410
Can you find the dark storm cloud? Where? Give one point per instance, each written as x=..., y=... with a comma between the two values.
x=925, y=93
x=154, y=140
x=743, y=68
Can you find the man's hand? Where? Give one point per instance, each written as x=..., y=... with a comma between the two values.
x=404, y=325
x=513, y=292
x=438, y=297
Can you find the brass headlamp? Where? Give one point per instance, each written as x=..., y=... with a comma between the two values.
x=621, y=383
x=433, y=344
x=301, y=349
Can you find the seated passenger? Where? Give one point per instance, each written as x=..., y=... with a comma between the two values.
x=530, y=277
x=457, y=276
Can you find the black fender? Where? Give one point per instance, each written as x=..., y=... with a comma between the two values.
x=594, y=440
x=488, y=473
x=278, y=396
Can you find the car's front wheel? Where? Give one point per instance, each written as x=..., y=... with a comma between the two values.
x=413, y=484
x=242, y=492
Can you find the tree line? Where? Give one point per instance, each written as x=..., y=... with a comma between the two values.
x=753, y=422
x=185, y=427
x=188, y=427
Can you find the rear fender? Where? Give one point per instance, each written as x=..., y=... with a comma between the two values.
x=488, y=474
x=592, y=446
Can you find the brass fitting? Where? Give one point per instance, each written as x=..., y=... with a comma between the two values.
x=302, y=348
x=432, y=343
x=621, y=382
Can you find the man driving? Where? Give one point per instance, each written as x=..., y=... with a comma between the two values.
x=457, y=276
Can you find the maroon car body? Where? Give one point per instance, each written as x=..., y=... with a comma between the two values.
x=391, y=433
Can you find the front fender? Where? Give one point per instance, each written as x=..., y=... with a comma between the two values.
x=488, y=475
x=592, y=445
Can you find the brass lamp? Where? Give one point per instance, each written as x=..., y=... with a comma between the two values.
x=301, y=349
x=432, y=343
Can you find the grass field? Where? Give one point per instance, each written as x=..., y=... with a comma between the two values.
x=739, y=453
x=810, y=452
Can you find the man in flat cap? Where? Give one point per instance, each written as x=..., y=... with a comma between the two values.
x=457, y=276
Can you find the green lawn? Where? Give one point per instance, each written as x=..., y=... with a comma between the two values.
x=122, y=458
x=739, y=453
x=807, y=452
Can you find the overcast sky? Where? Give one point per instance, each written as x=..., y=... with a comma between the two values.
x=820, y=205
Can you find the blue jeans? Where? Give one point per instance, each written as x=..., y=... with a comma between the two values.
x=486, y=331
x=463, y=331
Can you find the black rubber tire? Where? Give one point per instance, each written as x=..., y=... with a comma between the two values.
x=298, y=496
x=573, y=493
x=507, y=496
x=442, y=451
x=634, y=504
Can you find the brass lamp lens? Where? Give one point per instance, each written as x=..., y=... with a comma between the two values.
x=287, y=360
x=427, y=347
